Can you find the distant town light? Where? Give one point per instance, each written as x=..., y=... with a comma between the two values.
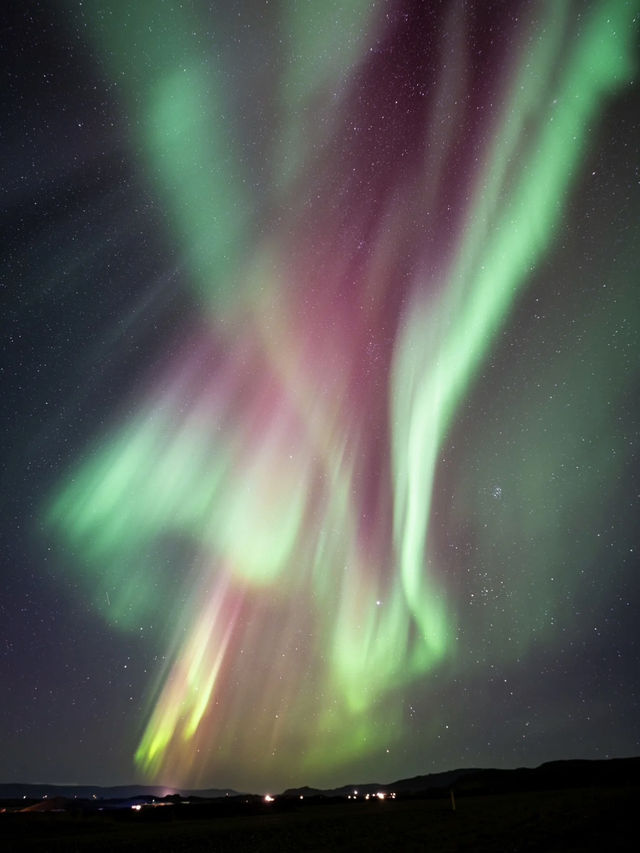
x=268, y=798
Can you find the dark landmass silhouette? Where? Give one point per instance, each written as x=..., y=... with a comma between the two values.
x=561, y=805
x=552, y=774
x=14, y=790
x=415, y=785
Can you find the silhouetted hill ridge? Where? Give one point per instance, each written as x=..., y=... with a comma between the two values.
x=34, y=791
x=551, y=774
x=569, y=773
x=416, y=784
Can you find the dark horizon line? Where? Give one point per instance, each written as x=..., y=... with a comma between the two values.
x=191, y=791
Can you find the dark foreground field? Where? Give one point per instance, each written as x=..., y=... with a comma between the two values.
x=573, y=820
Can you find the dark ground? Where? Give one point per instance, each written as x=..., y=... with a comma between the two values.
x=602, y=819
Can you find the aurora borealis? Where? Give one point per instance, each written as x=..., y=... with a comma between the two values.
x=322, y=389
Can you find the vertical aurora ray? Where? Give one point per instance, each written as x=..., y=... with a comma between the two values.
x=511, y=223
x=292, y=444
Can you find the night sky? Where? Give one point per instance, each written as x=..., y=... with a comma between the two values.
x=320, y=401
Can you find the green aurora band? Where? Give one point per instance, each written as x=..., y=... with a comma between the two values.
x=297, y=624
